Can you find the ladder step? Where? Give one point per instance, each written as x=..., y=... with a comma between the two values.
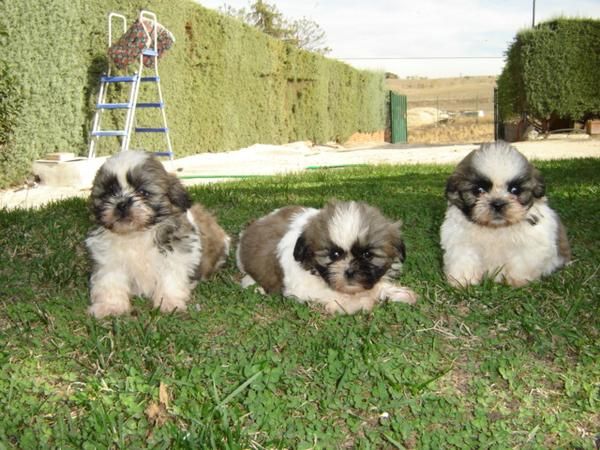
x=149, y=52
x=150, y=105
x=169, y=154
x=118, y=79
x=112, y=106
x=151, y=130
x=127, y=79
x=126, y=105
x=109, y=133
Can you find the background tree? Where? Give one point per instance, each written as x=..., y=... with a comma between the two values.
x=269, y=19
x=310, y=36
x=303, y=33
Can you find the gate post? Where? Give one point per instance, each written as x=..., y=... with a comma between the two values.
x=496, y=116
x=398, y=118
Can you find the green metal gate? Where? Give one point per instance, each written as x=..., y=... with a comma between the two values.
x=398, y=108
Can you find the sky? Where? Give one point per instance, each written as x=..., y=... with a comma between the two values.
x=424, y=38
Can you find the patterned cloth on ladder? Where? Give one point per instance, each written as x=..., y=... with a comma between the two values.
x=138, y=37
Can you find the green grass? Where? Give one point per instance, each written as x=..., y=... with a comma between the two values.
x=486, y=367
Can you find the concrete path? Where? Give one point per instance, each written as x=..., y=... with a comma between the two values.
x=296, y=157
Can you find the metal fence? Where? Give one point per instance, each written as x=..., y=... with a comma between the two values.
x=448, y=109
x=449, y=120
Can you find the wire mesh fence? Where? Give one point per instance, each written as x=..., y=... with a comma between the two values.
x=448, y=110
x=438, y=120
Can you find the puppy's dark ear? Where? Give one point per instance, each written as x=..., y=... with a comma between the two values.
x=177, y=194
x=452, y=192
x=401, y=250
x=397, y=241
x=453, y=184
x=539, y=187
x=301, y=249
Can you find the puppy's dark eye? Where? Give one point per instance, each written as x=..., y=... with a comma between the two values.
x=112, y=190
x=514, y=190
x=335, y=254
x=143, y=192
x=478, y=190
x=367, y=254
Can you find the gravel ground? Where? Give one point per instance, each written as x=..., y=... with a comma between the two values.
x=295, y=157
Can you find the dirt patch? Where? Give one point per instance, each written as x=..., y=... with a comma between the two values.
x=453, y=131
x=358, y=139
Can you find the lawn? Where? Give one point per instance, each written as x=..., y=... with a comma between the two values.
x=486, y=367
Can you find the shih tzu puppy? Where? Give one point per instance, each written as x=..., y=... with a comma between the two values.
x=343, y=256
x=498, y=223
x=150, y=239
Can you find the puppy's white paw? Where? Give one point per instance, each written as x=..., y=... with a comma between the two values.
x=350, y=304
x=167, y=305
x=107, y=308
x=247, y=281
x=515, y=282
x=334, y=307
x=464, y=279
x=399, y=294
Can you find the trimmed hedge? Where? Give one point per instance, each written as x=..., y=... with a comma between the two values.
x=226, y=85
x=553, y=70
x=10, y=108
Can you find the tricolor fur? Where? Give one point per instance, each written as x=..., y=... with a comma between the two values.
x=150, y=239
x=498, y=223
x=343, y=256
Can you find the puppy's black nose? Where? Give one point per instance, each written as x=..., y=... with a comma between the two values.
x=349, y=273
x=498, y=204
x=124, y=205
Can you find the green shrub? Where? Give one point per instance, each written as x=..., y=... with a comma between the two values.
x=225, y=84
x=10, y=106
x=10, y=110
x=553, y=70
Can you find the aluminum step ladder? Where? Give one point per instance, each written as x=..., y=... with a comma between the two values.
x=131, y=105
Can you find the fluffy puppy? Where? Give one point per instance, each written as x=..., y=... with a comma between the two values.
x=498, y=223
x=342, y=256
x=150, y=239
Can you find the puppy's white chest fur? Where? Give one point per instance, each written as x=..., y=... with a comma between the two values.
x=297, y=281
x=134, y=255
x=518, y=253
x=136, y=264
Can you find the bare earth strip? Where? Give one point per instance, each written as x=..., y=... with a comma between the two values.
x=299, y=156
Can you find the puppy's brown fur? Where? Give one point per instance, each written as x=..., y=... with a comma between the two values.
x=213, y=239
x=262, y=248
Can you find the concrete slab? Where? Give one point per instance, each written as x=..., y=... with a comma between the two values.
x=74, y=178
x=77, y=173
